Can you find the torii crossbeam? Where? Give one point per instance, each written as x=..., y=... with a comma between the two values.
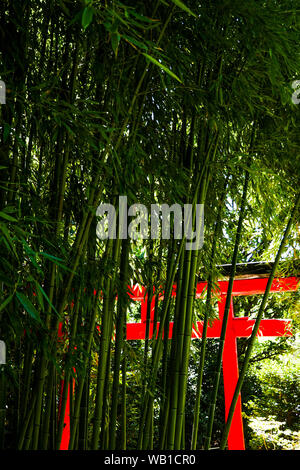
x=236, y=328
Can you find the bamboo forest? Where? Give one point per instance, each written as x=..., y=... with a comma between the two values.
x=149, y=225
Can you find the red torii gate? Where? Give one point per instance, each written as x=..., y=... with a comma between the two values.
x=236, y=328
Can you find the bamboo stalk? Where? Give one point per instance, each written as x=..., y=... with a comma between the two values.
x=179, y=338
x=47, y=415
x=27, y=370
x=76, y=412
x=28, y=434
x=84, y=409
x=167, y=296
x=119, y=342
x=104, y=430
x=226, y=313
x=205, y=325
x=106, y=332
x=165, y=417
x=185, y=355
x=87, y=345
x=188, y=329
x=67, y=377
x=124, y=412
x=103, y=355
x=157, y=342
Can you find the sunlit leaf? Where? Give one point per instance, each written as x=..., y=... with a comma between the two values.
x=29, y=307
x=87, y=17
x=163, y=67
x=115, y=40
x=7, y=217
x=6, y=302
x=183, y=7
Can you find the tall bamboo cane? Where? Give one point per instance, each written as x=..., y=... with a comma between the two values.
x=106, y=331
x=226, y=313
x=119, y=341
x=205, y=324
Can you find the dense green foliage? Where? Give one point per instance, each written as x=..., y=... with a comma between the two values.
x=164, y=102
x=272, y=409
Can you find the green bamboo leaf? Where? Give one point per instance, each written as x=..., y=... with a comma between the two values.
x=143, y=18
x=51, y=257
x=163, y=67
x=29, y=307
x=8, y=238
x=135, y=42
x=46, y=296
x=115, y=40
x=7, y=217
x=39, y=297
x=87, y=17
x=55, y=260
x=6, y=302
x=32, y=255
x=184, y=7
x=9, y=209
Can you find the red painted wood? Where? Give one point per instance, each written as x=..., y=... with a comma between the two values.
x=253, y=286
x=268, y=327
x=64, y=445
x=236, y=328
x=230, y=378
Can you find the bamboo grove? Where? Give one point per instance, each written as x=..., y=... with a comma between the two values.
x=164, y=102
